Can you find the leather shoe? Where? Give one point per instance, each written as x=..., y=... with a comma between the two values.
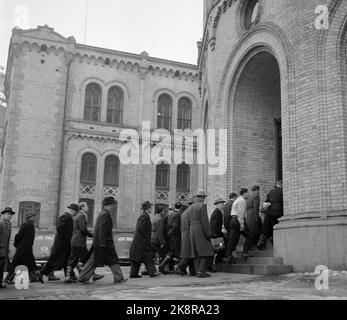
x=211, y=270
x=203, y=275
x=9, y=282
x=156, y=274
x=145, y=273
x=39, y=276
x=97, y=277
x=120, y=281
x=2, y=286
x=135, y=276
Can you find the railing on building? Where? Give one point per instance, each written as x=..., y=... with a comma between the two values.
x=183, y=196
x=111, y=191
x=162, y=195
x=87, y=189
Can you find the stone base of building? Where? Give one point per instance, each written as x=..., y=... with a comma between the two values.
x=310, y=242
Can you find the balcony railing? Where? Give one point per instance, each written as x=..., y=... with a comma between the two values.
x=162, y=195
x=183, y=196
x=87, y=189
x=111, y=191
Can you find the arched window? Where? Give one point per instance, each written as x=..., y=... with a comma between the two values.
x=115, y=102
x=183, y=178
x=91, y=206
x=251, y=13
x=165, y=112
x=184, y=114
x=163, y=177
x=88, y=169
x=111, y=174
x=92, y=104
x=27, y=207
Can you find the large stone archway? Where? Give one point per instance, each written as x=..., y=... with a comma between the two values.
x=255, y=111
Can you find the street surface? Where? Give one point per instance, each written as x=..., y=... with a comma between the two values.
x=220, y=286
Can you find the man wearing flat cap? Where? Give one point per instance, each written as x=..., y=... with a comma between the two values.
x=5, y=236
x=174, y=235
x=141, y=250
x=23, y=242
x=200, y=234
x=62, y=244
x=104, y=251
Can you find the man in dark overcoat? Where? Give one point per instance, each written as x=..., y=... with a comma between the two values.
x=23, y=242
x=140, y=250
x=185, y=254
x=252, y=219
x=200, y=234
x=62, y=244
x=5, y=236
x=275, y=211
x=174, y=235
x=103, y=250
x=216, y=224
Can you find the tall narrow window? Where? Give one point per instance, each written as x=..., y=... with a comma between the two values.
x=165, y=112
x=91, y=206
x=92, y=104
x=163, y=177
x=27, y=207
x=184, y=114
x=183, y=178
x=88, y=169
x=115, y=105
x=111, y=175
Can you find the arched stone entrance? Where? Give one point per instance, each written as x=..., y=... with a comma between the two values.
x=255, y=112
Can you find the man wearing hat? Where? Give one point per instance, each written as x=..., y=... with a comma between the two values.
x=104, y=251
x=185, y=253
x=79, y=251
x=140, y=250
x=174, y=235
x=5, y=236
x=200, y=234
x=62, y=244
x=216, y=224
x=252, y=219
x=23, y=242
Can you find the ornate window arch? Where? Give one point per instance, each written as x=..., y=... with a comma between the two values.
x=184, y=113
x=115, y=103
x=88, y=169
x=92, y=103
x=165, y=104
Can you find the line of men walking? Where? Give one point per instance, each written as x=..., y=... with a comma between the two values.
x=182, y=239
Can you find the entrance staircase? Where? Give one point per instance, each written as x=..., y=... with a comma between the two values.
x=263, y=263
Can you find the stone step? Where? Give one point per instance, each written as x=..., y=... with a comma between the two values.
x=255, y=269
x=258, y=260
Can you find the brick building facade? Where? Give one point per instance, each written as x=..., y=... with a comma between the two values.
x=278, y=84
x=265, y=73
x=68, y=104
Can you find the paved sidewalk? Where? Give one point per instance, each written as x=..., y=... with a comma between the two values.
x=220, y=286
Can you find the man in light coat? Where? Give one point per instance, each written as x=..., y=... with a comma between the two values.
x=200, y=234
x=185, y=255
x=237, y=223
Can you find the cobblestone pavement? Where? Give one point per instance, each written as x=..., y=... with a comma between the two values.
x=220, y=286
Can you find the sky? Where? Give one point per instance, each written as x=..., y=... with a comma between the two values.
x=167, y=29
